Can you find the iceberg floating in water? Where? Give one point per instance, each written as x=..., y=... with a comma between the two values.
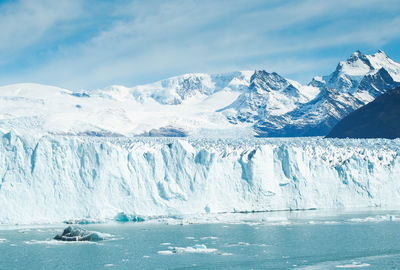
x=72, y=234
x=57, y=178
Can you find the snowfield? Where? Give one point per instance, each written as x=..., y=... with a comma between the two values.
x=54, y=178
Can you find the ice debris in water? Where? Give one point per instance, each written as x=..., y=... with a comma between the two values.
x=378, y=218
x=199, y=248
x=78, y=234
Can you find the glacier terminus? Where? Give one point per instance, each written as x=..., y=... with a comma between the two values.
x=56, y=178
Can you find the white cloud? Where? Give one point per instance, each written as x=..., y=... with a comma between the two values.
x=148, y=41
x=23, y=23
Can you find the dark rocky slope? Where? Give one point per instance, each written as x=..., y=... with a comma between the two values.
x=378, y=119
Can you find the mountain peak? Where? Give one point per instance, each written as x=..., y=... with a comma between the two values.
x=267, y=81
x=358, y=55
x=381, y=52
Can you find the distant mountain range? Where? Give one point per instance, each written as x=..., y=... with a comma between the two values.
x=279, y=107
x=236, y=104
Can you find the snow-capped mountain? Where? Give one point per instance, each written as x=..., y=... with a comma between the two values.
x=312, y=110
x=236, y=104
x=268, y=94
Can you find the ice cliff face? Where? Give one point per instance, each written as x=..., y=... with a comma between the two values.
x=57, y=178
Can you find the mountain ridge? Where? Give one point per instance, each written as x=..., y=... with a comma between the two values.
x=243, y=103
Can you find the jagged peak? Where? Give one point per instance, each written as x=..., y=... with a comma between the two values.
x=268, y=81
x=380, y=52
x=265, y=74
x=357, y=55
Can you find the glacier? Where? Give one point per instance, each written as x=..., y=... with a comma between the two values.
x=54, y=178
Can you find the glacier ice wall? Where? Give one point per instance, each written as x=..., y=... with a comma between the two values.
x=56, y=178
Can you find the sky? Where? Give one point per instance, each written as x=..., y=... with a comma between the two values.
x=87, y=44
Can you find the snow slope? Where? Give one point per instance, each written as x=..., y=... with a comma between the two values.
x=56, y=178
x=52, y=110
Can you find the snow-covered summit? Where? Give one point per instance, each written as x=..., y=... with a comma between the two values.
x=178, y=89
x=349, y=73
x=268, y=94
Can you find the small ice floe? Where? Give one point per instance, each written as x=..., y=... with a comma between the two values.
x=78, y=234
x=200, y=248
x=165, y=244
x=353, y=265
x=165, y=252
x=225, y=254
x=190, y=237
x=209, y=237
x=2, y=240
x=109, y=265
x=238, y=244
x=244, y=244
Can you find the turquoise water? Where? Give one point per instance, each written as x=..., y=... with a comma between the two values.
x=368, y=240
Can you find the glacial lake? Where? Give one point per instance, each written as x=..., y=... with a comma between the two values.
x=368, y=239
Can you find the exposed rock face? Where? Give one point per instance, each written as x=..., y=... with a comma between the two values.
x=378, y=119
